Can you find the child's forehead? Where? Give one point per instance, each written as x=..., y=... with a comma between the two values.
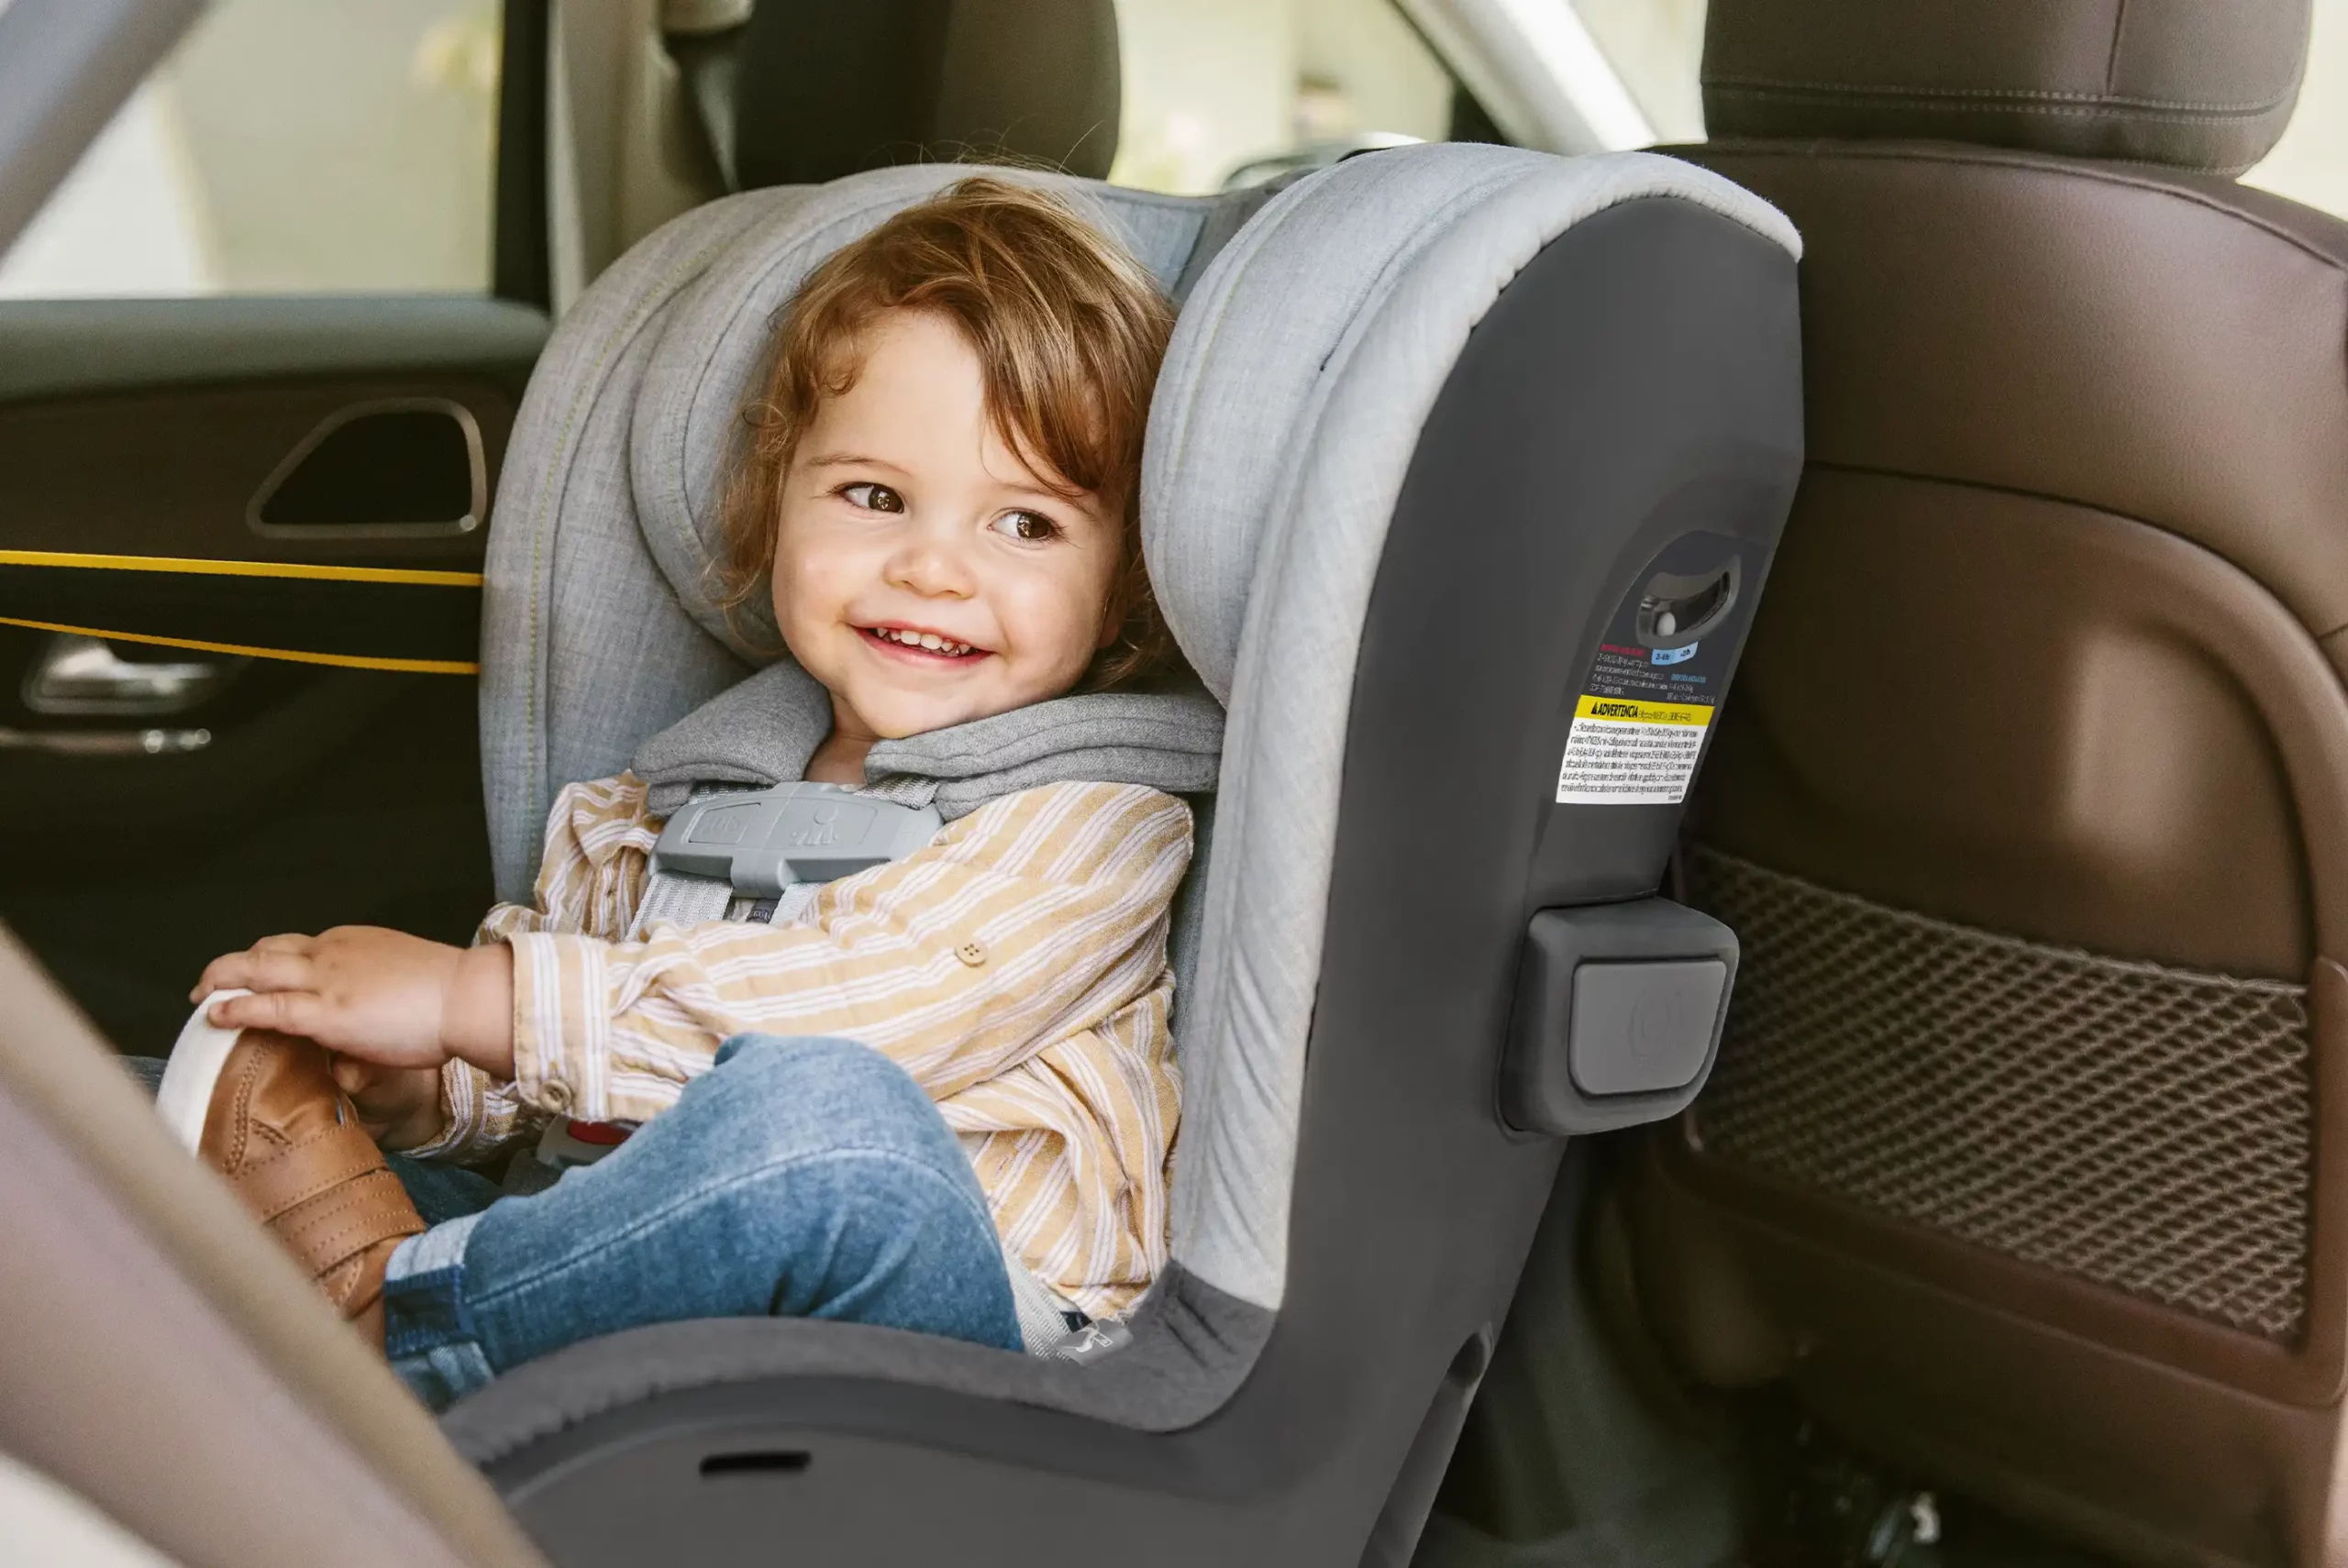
x=910, y=379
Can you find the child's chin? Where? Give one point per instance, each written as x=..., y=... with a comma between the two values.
x=900, y=720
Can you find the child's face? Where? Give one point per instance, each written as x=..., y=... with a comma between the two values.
x=923, y=572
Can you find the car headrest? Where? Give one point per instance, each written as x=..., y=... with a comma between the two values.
x=2175, y=81
x=824, y=88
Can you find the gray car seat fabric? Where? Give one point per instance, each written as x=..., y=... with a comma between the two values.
x=1283, y=423
x=1427, y=416
x=1302, y=368
x=765, y=731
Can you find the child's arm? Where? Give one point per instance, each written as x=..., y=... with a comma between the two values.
x=382, y=996
x=1030, y=921
x=591, y=872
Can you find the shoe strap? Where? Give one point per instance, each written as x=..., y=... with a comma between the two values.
x=336, y=1226
x=316, y=1164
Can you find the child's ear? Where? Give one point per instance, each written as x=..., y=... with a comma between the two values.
x=1112, y=626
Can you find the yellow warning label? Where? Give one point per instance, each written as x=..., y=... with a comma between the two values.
x=1630, y=711
x=1622, y=751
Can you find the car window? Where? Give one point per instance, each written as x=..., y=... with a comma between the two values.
x=288, y=146
x=1655, y=46
x=2310, y=163
x=1226, y=90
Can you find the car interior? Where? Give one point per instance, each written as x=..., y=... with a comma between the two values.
x=1891, y=1128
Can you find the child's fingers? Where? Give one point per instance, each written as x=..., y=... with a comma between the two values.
x=353, y=1077
x=229, y=970
x=258, y=971
x=214, y=977
x=291, y=1012
x=285, y=942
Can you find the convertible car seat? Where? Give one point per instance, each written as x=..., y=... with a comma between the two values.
x=2026, y=1158
x=1438, y=426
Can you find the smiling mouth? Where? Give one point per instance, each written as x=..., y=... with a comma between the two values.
x=905, y=639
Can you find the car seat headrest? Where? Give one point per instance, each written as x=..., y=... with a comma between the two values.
x=1267, y=333
x=817, y=89
x=2173, y=81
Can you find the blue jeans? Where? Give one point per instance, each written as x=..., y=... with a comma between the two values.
x=798, y=1177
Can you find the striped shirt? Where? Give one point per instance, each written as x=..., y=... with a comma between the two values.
x=1015, y=967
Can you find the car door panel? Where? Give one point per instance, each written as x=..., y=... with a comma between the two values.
x=313, y=760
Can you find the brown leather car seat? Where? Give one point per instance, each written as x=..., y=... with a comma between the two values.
x=2026, y=1156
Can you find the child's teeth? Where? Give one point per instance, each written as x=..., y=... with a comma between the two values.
x=930, y=641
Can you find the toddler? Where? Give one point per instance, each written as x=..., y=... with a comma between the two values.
x=934, y=1076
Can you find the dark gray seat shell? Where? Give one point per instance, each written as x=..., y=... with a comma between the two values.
x=1429, y=415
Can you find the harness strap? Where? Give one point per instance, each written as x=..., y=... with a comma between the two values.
x=762, y=836
x=680, y=901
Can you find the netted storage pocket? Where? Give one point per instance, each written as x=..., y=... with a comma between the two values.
x=2144, y=1128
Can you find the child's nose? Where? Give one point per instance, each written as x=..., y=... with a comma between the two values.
x=931, y=565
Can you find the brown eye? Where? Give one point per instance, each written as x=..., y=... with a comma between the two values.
x=873, y=497
x=1028, y=527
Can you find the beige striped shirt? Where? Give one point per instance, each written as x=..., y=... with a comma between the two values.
x=1015, y=967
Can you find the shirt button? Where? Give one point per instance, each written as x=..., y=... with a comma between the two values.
x=557, y=1093
x=971, y=953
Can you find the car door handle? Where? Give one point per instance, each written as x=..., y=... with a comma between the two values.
x=103, y=743
x=79, y=677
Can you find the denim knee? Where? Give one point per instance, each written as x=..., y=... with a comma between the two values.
x=780, y=1095
x=799, y=1177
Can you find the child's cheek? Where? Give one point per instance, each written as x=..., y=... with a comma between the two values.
x=1049, y=633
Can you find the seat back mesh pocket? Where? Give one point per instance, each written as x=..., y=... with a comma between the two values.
x=2143, y=1128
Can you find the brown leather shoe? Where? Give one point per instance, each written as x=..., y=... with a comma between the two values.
x=292, y=1146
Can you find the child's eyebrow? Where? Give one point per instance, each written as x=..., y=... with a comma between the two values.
x=851, y=460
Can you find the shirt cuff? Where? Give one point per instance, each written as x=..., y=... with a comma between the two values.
x=464, y=1100
x=562, y=1024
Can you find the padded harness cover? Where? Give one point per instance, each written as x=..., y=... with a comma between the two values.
x=765, y=731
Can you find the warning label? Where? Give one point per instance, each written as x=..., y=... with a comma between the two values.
x=1623, y=752
x=1645, y=708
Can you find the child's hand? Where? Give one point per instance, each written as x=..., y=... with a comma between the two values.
x=399, y=1107
x=379, y=996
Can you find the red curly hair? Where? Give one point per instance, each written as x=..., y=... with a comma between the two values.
x=1069, y=329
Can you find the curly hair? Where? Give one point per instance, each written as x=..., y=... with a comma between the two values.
x=1069, y=330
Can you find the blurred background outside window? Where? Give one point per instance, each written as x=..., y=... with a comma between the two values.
x=2310, y=163
x=288, y=146
x=349, y=145
x=1213, y=86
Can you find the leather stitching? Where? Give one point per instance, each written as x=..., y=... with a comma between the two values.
x=2104, y=170
x=2015, y=97
x=343, y=1225
x=2073, y=111
x=266, y=1184
x=240, y=1118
